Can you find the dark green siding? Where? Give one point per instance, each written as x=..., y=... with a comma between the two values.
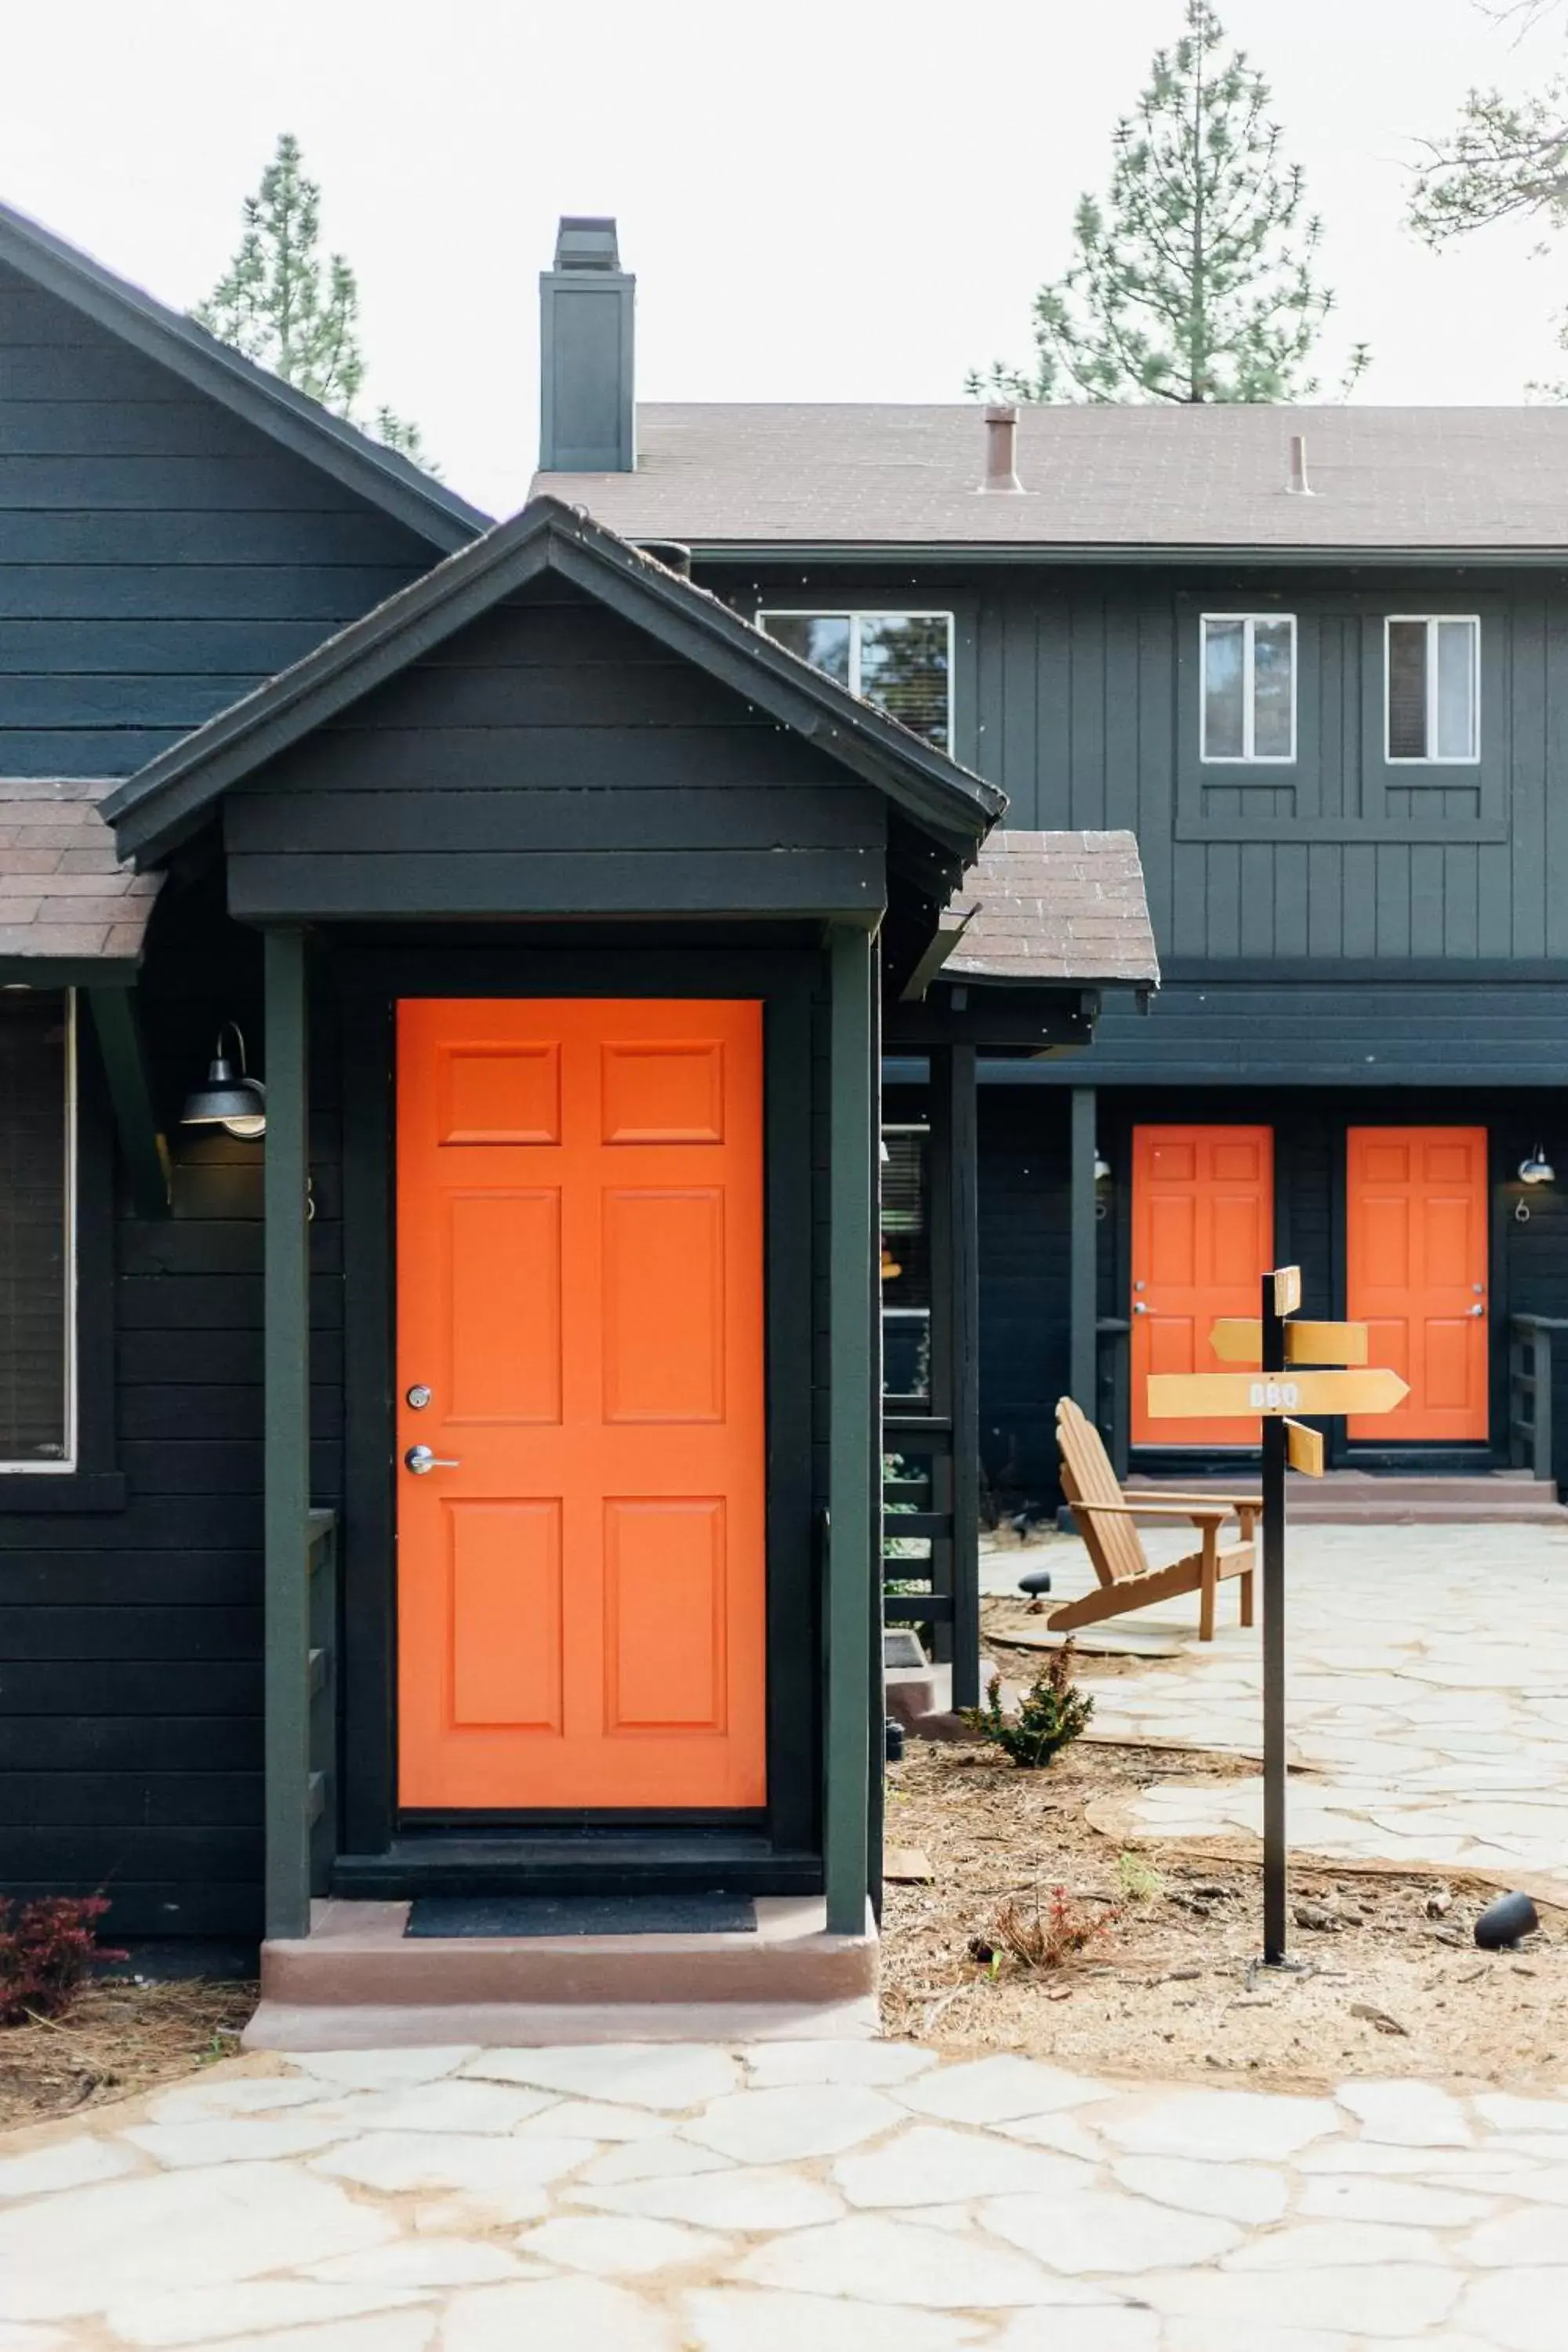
x=1074, y=691
x=131, y=1687
x=553, y=759
x=158, y=556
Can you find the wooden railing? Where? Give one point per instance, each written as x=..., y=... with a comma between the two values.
x=929, y=1588
x=1530, y=1439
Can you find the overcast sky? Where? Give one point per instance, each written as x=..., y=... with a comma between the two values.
x=831, y=200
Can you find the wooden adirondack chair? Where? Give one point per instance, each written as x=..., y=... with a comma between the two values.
x=1106, y=1521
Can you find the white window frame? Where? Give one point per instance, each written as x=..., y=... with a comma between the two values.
x=855, y=614
x=1430, y=759
x=65, y=1466
x=1246, y=756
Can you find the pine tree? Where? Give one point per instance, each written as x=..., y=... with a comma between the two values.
x=1195, y=279
x=284, y=305
x=1505, y=159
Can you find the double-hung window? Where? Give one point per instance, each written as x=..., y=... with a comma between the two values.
x=1432, y=668
x=900, y=661
x=1248, y=704
x=37, y=1221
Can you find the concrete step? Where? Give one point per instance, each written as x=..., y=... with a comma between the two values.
x=357, y=1981
x=1393, y=1498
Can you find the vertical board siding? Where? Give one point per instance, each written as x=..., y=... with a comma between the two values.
x=158, y=556
x=1068, y=697
x=1025, y=1175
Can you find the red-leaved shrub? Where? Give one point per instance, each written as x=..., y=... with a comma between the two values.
x=46, y=1950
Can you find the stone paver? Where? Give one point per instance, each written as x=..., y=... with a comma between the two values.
x=1429, y=1727
x=780, y=2205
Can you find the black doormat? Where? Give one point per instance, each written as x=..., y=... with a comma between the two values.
x=582, y=1915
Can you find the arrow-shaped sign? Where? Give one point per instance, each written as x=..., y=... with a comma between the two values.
x=1304, y=1448
x=1287, y=1281
x=1238, y=1340
x=1200, y=1396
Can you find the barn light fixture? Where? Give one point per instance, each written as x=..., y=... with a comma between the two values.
x=1537, y=1168
x=231, y=1098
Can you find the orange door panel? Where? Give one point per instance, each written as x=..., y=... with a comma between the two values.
x=582, y=1577
x=1416, y=1225
x=1203, y=1236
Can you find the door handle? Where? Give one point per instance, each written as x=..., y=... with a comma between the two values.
x=422, y=1461
x=1477, y=1309
x=1139, y=1306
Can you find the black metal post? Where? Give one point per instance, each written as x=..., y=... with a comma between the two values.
x=1274, y=1455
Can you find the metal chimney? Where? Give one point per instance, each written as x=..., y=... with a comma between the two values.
x=1002, y=451
x=1297, y=486
x=587, y=414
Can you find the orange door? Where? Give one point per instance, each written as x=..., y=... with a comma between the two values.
x=1416, y=1225
x=1203, y=1237
x=581, y=1579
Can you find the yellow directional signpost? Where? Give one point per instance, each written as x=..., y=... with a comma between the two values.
x=1238, y=1340
x=1275, y=1391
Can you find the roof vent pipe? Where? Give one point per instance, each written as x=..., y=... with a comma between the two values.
x=1297, y=486
x=672, y=554
x=1001, y=449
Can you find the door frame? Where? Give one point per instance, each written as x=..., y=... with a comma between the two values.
x=369, y=981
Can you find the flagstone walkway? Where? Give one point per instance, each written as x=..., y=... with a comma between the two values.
x=843, y=2198
x=1426, y=1697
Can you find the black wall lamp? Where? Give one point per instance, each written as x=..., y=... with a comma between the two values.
x=231, y=1098
x=1534, y=1169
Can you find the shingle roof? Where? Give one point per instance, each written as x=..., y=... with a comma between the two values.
x=1422, y=479
x=63, y=890
x=1054, y=906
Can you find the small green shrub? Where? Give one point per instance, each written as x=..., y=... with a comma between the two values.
x=1054, y=1713
x=1140, y=1882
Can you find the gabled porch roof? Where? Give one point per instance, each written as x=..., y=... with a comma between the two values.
x=953, y=808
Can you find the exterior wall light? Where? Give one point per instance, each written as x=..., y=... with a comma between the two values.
x=230, y=1099
x=1101, y=1168
x=1537, y=1168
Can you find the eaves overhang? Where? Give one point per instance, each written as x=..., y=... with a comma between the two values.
x=881, y=555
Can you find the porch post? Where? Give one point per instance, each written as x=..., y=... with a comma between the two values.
x=854, y=1473
x=955, y=1071
x=1083, y=1251
x=287, y=1452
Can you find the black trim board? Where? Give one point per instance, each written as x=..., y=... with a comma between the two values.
x=166, y=799
x=379, y=1853
x=390, y=482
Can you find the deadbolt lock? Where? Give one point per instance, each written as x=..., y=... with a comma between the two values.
x=419, y=1396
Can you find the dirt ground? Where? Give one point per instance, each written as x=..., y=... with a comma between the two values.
x=1391, y=1980
x=119, y=2039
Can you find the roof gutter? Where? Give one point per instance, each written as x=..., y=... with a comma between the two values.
x=883, y=553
